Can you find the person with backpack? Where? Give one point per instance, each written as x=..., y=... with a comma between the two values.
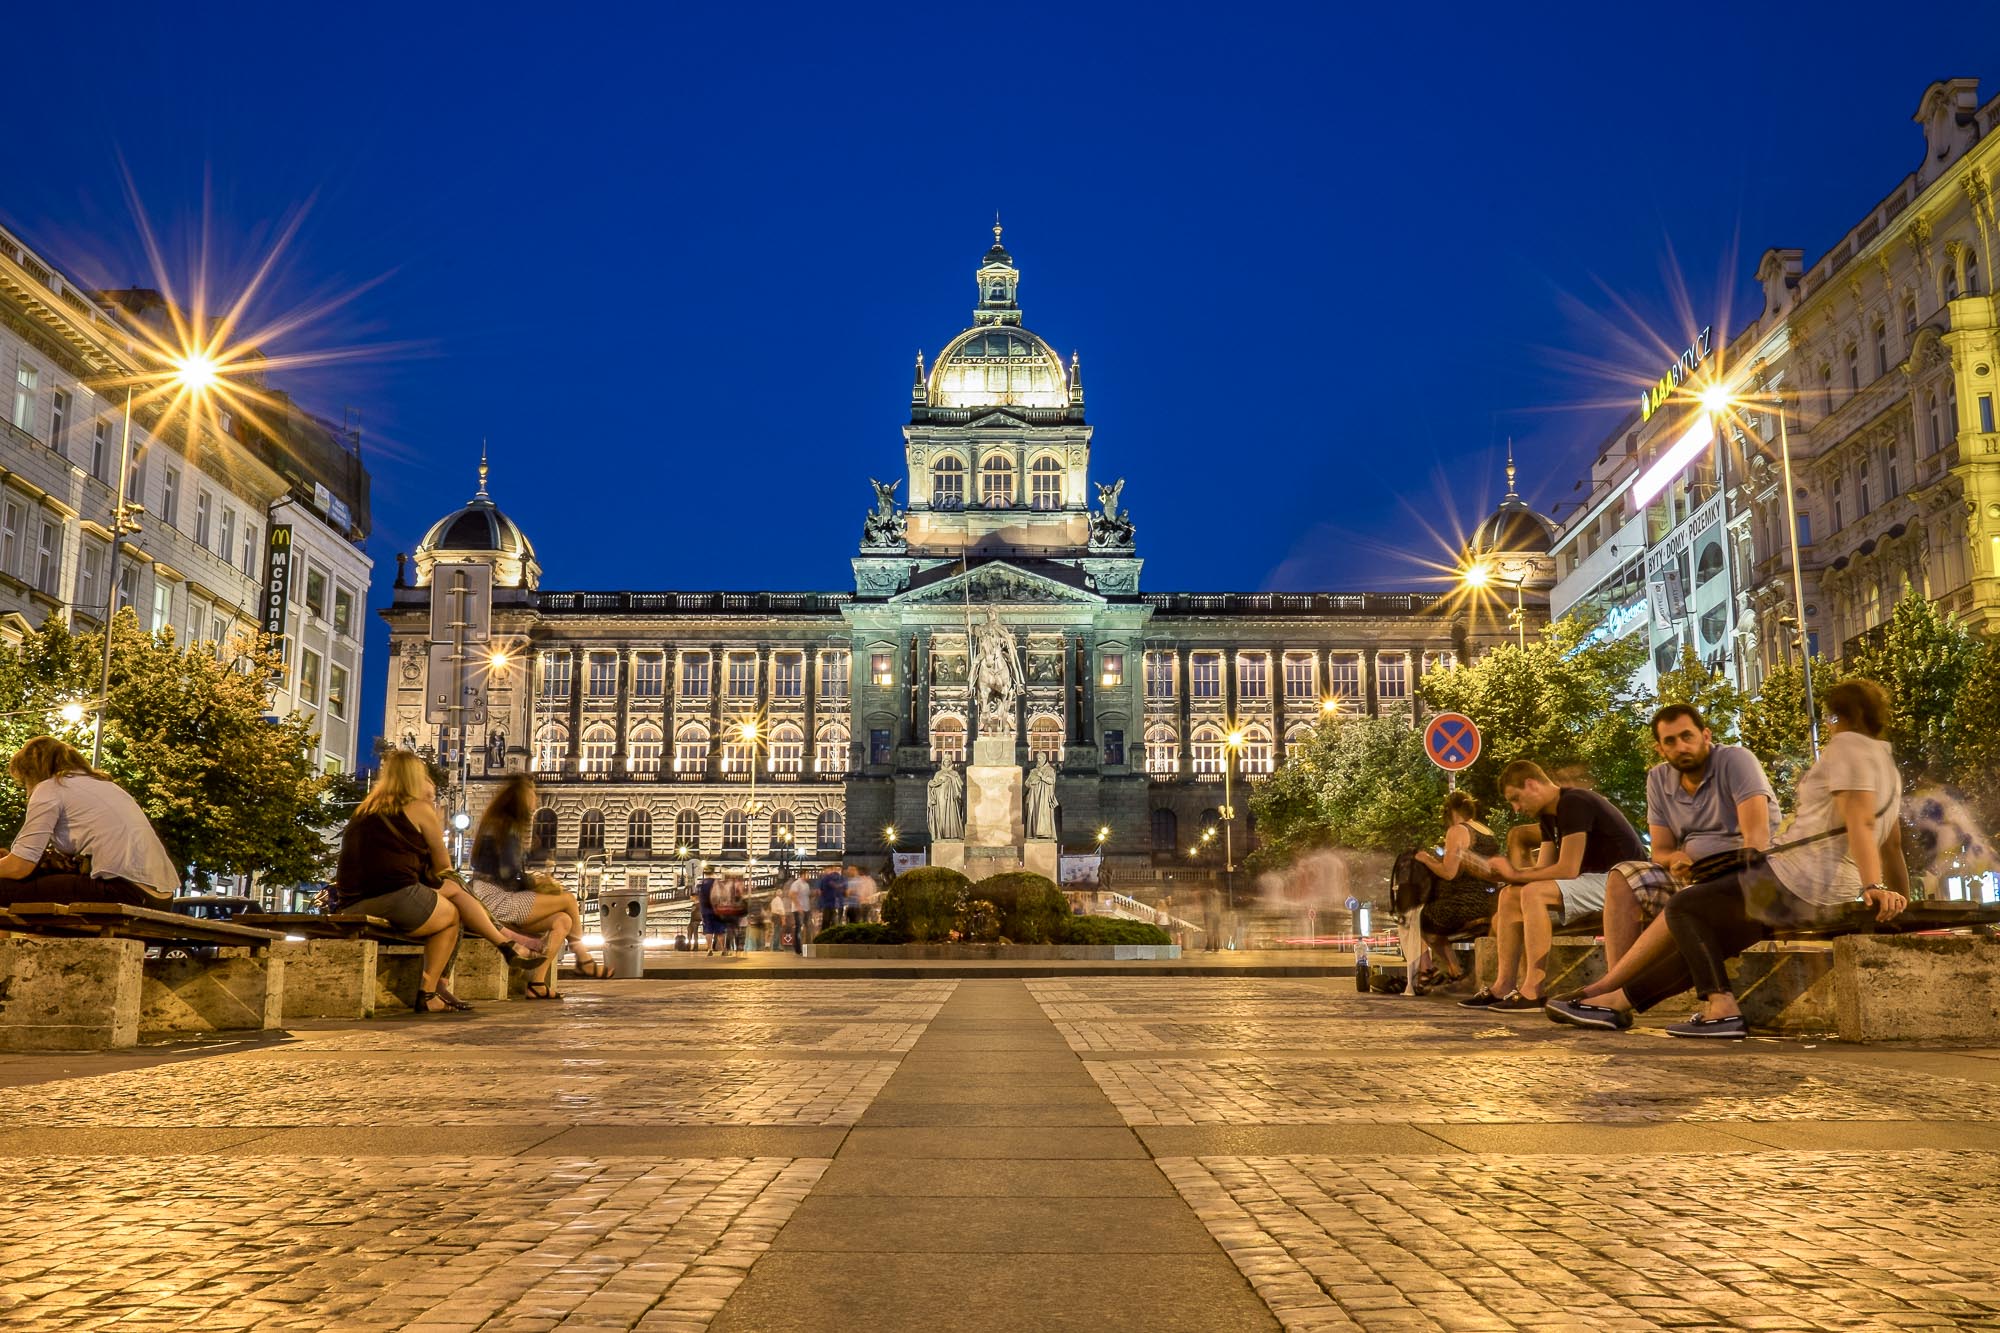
x=832, y=892
x=1448, y=891
x=704, y=902
x=729, y=902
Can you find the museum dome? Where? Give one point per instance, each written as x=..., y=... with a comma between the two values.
x=996, y=362
x=480, y=531
x=1513, y=528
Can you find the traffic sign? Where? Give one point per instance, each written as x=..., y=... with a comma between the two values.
x=1452, y=741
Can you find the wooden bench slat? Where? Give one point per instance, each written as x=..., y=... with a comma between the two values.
x=330, y=925
x=142, y=923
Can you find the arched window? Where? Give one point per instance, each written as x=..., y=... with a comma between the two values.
x=948, y=739
x=1205, y=748
x=948, y=483
x=788, y=748
x=643, y=754
x=599, y=742
x=551, y=747
x=1971, y=272
x=735, y=831
x=1950, y=277
x=1256, y=749
x=543, y=840
x=996, y=481
x=1045, y=484
x=1295, y=736
x=1166, y=830
x=832, y=831
x=1045, y=739
x=784, y=830
x=639, y=832
x=830, y=749
x=1163, y=749
x=691, y=748
x=687, y=831
x=590, y=838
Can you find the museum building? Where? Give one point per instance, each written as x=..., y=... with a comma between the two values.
x=670, y=727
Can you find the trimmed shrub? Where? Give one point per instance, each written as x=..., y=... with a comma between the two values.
x=859, y=932
x=980, y=923
x=1032, y=909
x=924, y=904
x=1111, y=930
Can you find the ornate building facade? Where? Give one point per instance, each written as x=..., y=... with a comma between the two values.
x=631, y=707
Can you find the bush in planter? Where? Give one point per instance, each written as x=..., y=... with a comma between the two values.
x=1032, y=909
x=1111, y=930
x=980, y=922
x=860, y=932
x=924, y=904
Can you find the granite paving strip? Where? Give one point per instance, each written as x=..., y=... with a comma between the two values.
x=975, y=1197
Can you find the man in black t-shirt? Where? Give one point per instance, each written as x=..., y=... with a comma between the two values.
x=1583, y=837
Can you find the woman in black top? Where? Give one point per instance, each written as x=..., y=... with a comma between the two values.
x=534, y=903
x=393, y=865
x=1462, y=897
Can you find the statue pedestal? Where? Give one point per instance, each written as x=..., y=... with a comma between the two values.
x=993, y=796
x=949, y=853
x=1038, y=856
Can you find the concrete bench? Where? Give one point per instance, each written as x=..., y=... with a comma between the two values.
x=102, y=975
x=350, y=965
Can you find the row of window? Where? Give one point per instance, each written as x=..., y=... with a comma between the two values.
x=996, y=483
x=733, y=830
x=784, y=749
x=697, y=672
x=1300, y=674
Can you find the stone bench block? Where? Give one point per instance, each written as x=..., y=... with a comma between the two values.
x=1917, y=988
x=234, y=990
x=69, y=995
x=399, y=975
x=479, y=972
x=328, y=978
x=1574, y=962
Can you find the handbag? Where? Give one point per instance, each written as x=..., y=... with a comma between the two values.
x=1717, y=864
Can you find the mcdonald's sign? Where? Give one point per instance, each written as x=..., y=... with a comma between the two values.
x=277, y=595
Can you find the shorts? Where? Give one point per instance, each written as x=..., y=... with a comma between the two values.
x=1582, y=897
x=509, y=907
x=404, y=909
x=1651, y=884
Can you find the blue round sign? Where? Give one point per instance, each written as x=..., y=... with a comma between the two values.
x=1353, y=903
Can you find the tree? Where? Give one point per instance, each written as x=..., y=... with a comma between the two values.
x=1710, y=692
x=1975, y=737
x=1773, y=725
x=228, y=788
x=1571, y=706
x=1363, y=783
x=1924, y=658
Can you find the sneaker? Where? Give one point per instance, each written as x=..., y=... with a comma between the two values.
x=1733, y=1028
x=1583, y=1014
x=1483, y=998
x=1519, y=1001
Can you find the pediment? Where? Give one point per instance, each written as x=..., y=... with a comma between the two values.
x=997, y=581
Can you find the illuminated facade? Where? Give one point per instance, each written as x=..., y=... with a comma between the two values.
x=630, y=705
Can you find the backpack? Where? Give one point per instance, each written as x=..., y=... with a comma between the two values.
x=1411, y=883
x=726, y=899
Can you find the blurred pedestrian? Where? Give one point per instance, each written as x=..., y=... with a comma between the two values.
x=832, y=891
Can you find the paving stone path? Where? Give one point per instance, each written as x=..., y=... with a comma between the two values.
x=1089, y=1152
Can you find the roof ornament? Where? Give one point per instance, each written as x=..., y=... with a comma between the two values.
x=1512, y=494
x=482, y=473
x=996, y=229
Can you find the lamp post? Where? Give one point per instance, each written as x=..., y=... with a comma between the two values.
x=1231, y=743
x=748, y=732
x=1479, y=574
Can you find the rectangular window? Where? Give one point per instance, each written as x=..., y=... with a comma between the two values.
x=336, y=690
x=226, y=537
x=603, y=679
x=251, y=538
x=1159, y=674
x=1111, y=672
x=833, y=669
x=788, y=676
x=170, y=498
x=1253, y=676
x=643, y=757
x=90, y=579
x=1114, y=747
x=163, y=604
x=1437, y=661
x=649, y=676
x=309, y=669
x=128, y=585
x=1392, y=676
x=218, y=634
x=882, y=669
x=204, y=503
x=48, y=556
x=788, y=751
x=1205, y=753
x=343, y=608
x=1299, y=682
x=26, y=378
x=1344, y=676
x=694, y=675
x=316, y=592
x=880, y=750
x=1805, y=529
x=11, y=538
x=555, y=676
x=1986, y=413
x=743, y=675
x=1205, y=676
x=100, y=451
x=58, y=420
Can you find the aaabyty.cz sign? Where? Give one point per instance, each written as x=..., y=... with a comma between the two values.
x=1690, y=360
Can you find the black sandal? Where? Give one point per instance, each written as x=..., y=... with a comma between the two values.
x=423, y=1004
x=540, y=990
x=597, y=970
x=452, y=1002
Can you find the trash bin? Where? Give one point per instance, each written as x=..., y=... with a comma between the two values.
x=623, y=912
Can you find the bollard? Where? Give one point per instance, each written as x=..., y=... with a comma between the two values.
x=623, y=913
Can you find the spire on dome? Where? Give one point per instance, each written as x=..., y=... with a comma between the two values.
x=918, y=387
x=998, y=281
x=1512, y=494
x=482, y=495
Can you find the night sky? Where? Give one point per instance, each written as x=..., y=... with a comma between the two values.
x=675, y=263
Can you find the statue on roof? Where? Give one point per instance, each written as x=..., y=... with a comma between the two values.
x=884, y=524
x=1110, y=527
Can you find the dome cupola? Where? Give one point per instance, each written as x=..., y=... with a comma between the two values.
x=996, y=362
x=480, y=532
x=1513, y=528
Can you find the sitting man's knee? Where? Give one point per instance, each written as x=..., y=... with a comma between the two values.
x=1544, y=893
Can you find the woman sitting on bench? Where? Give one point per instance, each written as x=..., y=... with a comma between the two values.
x=1461, y=896
x=1843, y=844
x=84, y=840
x=534, y=903
x=393, y=865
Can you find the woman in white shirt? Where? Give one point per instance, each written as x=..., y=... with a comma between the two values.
x=97, y=843
x=1844, y=844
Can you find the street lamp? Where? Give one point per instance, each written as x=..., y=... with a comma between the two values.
x=1480, y=574
x=1231, y=743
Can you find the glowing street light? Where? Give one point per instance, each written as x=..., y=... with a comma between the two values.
x=1480, y=574
x=71, y=713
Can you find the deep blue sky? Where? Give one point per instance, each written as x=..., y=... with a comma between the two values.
x=674, y=262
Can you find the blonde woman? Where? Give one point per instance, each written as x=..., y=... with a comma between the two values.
x=100, y=846
x=393, y=865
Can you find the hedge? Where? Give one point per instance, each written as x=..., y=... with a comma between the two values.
x=860, y=932
x=1032, y=909
x=1111, y=930
x=924, y=904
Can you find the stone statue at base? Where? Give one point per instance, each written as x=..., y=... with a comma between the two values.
x=945, y=803
x=1041, y=817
